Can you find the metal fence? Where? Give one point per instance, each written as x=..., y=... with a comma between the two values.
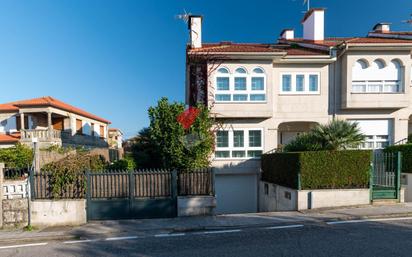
x=16, y=174
x=46, y=185
x=124, y=184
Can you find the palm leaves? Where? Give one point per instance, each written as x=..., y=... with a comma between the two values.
x=336, y=135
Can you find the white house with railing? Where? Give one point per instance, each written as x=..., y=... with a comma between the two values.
x=51, y=122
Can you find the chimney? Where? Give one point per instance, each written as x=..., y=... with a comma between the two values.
x=313, y=24
x=195, y=30
x=287, y=34
x=382, y=27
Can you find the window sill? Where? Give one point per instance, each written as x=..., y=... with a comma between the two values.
x=378, y=93
x=299, y=93
x=236, y=159
x=244, y=102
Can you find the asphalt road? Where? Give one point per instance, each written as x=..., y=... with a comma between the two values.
x=372, y=238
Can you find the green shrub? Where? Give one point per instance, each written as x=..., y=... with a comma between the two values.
x=303, y=142
x=318, y=169
x=65, y=172
x=19, y=156
x=406, y=151
x=124, y=164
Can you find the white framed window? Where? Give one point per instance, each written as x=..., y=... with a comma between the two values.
x=239, y=143
x=375, y=142
x=377, y=77
x=240, y=86
x=299, y=83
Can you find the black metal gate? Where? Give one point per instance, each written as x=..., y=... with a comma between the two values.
x=131, y=195
x=385, y=179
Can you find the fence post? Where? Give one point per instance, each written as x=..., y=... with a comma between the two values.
x=31, y=182
x=299, y=182
x=371, y=172
x=88, y=194
x=174, y=184
x=213, y=182
x=398, y=176
x=1, y=193
x=131, y=191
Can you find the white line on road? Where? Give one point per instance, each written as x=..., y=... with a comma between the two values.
x=81, y=241
x=25, y=245
x=222, y=231
x=367, y=220
x=288, y=226
x=170, y=235
x=120, y=238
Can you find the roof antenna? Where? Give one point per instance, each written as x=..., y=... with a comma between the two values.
x=184, y=17
x=307, y=2
x=408, y=21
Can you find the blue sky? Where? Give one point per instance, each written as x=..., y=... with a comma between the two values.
x=116, y=58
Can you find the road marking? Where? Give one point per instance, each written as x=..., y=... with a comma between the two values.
x=170, y=235
x=81, y=241
x=25, y=245
x=288, y=226
x=120, y=238
x=221, y=231
x=367, y=220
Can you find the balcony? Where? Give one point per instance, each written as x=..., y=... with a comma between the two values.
x=370, y=94
x=42, y=135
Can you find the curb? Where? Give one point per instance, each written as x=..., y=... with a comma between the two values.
x=38, y=239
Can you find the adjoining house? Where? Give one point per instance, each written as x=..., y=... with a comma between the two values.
x=115, y=140
x=51, y=122
x=264, y=95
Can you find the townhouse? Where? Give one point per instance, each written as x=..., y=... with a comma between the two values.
x=264, y=95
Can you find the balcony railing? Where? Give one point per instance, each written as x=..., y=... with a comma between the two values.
x=40, y=134
x=376, y=86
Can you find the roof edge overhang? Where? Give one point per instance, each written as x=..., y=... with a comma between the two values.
x=379, y=46
x=244, y=55
x=389, y=35
x=307, y=59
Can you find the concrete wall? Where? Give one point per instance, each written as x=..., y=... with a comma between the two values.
x=195, y=205
x=58, y=212
x=273, y=197
x=406, y=181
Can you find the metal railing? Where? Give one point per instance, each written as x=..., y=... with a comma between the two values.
x=198, y=182
x=15, y=174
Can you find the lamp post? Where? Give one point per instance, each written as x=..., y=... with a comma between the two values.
x=35, y=165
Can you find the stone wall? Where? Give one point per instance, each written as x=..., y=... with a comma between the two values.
x=15, y=213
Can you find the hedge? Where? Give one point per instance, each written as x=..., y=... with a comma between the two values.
x=406, y=153
x=318, y=169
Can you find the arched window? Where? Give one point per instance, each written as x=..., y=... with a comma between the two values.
x=240, y=71
x=240, y=86
x=379, y=77
x=223, y=71
x=379, y=63
x=258, y=71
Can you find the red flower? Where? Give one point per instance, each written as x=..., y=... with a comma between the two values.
x=187, y=117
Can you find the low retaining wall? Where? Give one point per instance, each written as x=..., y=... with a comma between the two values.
x=195, y=205
x=273, y=197
x=46, y=213
x=15, y=213
x=406, y=181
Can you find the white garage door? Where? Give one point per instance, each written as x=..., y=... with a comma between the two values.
x=378, y=133
x=236, y=193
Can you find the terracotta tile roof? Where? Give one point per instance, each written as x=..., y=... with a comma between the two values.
x=228, y=47
x=330, y=42
x=53, y=102
x=9, y=138
x=8, y=108
x=235, y=47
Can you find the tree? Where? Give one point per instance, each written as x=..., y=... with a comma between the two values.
x=177, y=147
x=19, y=156
x=336, y=135
x=143, y=150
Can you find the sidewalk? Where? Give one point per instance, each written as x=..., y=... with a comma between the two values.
x=141, y=227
